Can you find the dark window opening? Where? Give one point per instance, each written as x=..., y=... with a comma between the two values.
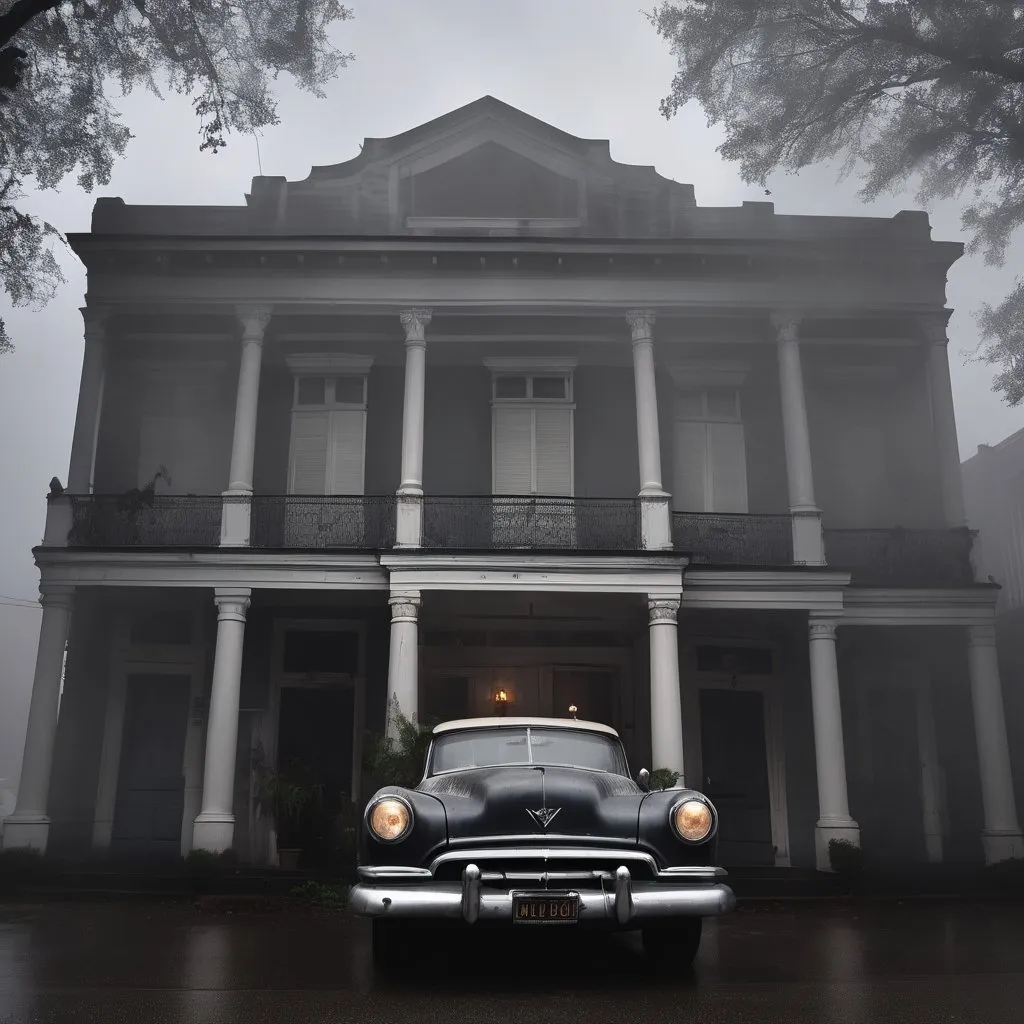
x=321, y=650
x=750, y=661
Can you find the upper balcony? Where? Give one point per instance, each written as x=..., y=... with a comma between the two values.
x=881, y=558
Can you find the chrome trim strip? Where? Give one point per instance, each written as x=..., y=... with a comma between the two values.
x=533, y=838
x=471, y=894
x=623, y=895
x=545, y=853
x=371, y=872
x=649, y=901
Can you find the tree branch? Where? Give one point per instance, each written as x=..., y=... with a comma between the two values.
x=20, y=14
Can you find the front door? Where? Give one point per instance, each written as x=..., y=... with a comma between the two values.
x=315, y=742
x=735, y=767
x=151, y=781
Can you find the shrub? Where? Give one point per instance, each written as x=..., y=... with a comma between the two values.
x=663, y=778
x=399, y=760
x=845, y=858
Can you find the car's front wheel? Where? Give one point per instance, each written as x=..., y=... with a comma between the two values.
x=675, y=943
x=390, y=942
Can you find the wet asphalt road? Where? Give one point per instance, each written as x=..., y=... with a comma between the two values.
x=922, y=962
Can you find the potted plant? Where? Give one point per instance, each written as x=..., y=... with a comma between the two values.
x=287, y=795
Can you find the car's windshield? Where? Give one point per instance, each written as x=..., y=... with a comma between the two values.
x=481, y=748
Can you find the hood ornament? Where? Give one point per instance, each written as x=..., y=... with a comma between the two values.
x=544, y=815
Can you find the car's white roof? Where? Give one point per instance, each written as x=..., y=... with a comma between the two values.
x=497, y=722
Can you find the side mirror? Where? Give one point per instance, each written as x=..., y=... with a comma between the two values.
x=643, y=780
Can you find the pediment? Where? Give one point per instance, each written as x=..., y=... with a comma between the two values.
x=487, y=167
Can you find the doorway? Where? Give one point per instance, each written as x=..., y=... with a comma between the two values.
x=892, y=818
x=150, y=796
x=734, y=758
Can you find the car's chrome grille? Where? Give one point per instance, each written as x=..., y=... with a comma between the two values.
x=550, y=867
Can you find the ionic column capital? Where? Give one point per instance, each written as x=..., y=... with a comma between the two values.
x=822, y=629
x=415, y=323
x=932, y=327
x=663, y=610
x=96, y=319
x=787, y=324
x=405, y=606
x=232, y=604
x=982, y=636
x=254, y=320
x=641, y=324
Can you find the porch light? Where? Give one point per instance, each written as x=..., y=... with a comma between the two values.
x=573, y=709
x=500, y=702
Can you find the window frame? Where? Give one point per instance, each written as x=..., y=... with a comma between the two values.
x=530, y=369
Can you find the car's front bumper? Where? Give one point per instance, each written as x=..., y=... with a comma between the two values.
x=619, y=901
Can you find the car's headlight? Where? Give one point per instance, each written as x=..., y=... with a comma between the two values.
x=390, y=819
x=692, y=820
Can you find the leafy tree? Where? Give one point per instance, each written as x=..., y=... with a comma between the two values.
x=63, y=64
x=926, y=89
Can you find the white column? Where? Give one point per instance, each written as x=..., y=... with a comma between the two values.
x=215, y=825
x=409, y=525
x=90, y=403
x=404, y=658
x=666, y=702
x=834, y=821
x=1001, y=836
x=944, y=421
x=29, y=825
x=654, y=502
x=808, y=543
x=235, y=516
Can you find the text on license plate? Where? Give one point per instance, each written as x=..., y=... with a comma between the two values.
x=545, y=908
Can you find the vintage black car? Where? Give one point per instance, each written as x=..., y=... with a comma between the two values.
x=536, y=821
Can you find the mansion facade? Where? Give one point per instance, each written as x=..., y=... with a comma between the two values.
x=483, y=420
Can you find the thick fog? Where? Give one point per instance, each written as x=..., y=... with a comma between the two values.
x=593, y=68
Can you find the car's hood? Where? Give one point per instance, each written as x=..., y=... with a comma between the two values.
x=537, y=801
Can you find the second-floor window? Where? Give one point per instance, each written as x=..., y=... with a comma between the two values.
x=532, y=433
x=328, y=439
x=710, y=452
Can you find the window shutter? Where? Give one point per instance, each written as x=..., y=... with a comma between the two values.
x=513, y=450
x=310, y=432
x=554, y=451
x=728, y=467
x=690, y=488
x=346, y=451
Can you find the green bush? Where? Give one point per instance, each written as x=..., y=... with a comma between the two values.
x=399, y=760
x=845, y=858
x=663, y=778
x=321, y=895
x=21, y=863
x=206, y=864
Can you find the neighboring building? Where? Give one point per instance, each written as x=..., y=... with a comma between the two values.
x=994, y=495
x=482, y=412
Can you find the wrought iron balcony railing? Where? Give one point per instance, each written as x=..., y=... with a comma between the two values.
x=137, y=520
x=323, y=522
x=531, y=523
x=733, y=538
x=903, y=558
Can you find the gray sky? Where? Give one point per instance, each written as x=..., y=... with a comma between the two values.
x=593, y=68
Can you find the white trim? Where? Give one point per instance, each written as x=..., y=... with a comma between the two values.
x=551, y=573
x=326, y=364
x=876, y=607
x=291, y=571
x=770, y=590
x=531, y=364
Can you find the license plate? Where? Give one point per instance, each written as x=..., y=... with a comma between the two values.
x=545, y=908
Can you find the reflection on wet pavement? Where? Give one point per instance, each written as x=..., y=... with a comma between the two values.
x=926, y=962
